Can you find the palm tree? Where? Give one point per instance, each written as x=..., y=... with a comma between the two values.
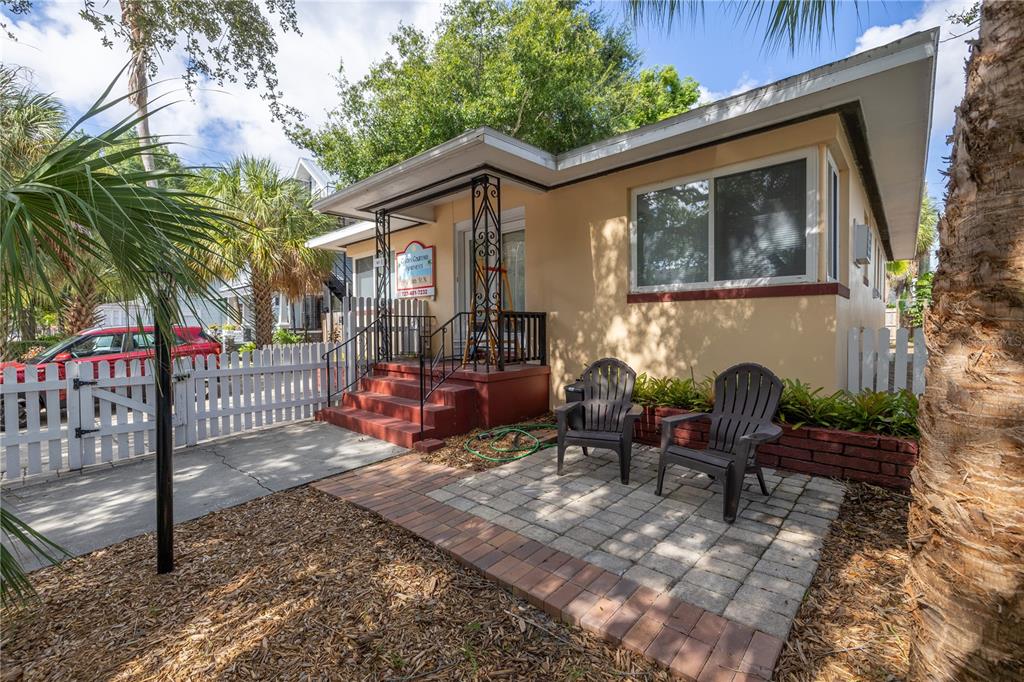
x=272, y=249
x=966, y=522
x=901, y=274
x=77, y=202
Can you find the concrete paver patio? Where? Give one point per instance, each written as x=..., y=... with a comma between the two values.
x=660, y=576
x=754, y=571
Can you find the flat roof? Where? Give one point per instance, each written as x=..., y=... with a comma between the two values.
x=883, y=95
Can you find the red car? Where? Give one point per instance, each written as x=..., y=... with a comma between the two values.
x=115, y=343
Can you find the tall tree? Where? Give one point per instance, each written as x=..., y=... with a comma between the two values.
x=223, y=40
x=271, y=249
x=966, y=522
x=551, y=73
x=76, y=201
x=901, y=274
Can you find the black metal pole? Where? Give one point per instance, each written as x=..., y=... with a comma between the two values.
x=164, y=443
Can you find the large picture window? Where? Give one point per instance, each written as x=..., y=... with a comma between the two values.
x=735, y=227
x=672, y=235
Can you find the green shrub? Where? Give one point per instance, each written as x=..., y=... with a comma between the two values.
x=284, y=336
x=890, y=414
x=19, y=350
x=247, y=347
x=922, y=299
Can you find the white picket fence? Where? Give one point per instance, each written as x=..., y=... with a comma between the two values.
x=109, y=408
x=875, y=363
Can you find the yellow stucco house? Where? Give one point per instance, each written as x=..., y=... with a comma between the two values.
x=754, y=228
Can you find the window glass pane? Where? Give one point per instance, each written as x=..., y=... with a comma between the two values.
x=143, y=340
x=832, y=255
x=672, y=235
x=100, y=344
x=761, y=223
x=513, y=259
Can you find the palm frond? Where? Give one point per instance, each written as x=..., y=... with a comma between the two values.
x=789, y=23
x=15, y=586
x=79, y=201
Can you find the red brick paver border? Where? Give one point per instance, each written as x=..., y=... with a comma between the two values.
x=692, y=643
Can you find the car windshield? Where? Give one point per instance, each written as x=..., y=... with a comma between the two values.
x=47, y=355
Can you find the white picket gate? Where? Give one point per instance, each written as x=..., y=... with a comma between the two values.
x=874, y=363
x=109, y=408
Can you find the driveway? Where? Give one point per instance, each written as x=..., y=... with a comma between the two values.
x=104, y=506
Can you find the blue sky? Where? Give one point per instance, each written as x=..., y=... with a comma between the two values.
x=67, y=58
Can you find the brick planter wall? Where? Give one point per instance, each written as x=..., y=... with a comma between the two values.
x=882, y=460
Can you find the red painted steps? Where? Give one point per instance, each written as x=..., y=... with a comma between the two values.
x=397, y=431
x=387, y=406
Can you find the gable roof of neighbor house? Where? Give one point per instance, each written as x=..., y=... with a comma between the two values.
x=883, y=96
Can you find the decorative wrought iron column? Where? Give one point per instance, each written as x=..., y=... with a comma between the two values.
x=382, y=300
x=486, y=305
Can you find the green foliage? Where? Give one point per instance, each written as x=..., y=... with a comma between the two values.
x=550, y=73
x=922, y=299
x=247, y=347
x=891, y=414
x=284, y=336
x=80, y=202
x=927, y=227
x=783, y=22
x=223, y=41
x=17, y=350
x=15, y=587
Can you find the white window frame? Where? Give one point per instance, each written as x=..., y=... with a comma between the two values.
x=810, y=274
x=833, y=254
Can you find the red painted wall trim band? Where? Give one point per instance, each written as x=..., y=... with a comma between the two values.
x=774, y=291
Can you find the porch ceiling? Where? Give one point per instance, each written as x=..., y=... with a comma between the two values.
x=884, y=96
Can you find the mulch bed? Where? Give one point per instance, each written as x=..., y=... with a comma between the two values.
x=454, y=453
x=296, y=585
x=855, y=621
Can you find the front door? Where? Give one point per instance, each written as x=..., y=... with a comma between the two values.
x=513, y=260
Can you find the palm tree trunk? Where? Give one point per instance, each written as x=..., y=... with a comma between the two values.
x=138, y=78
x=81, y=306
x=263, y=307
x=966, y=523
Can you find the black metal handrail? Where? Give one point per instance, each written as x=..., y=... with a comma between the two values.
x=358, y=352
x=453, y=344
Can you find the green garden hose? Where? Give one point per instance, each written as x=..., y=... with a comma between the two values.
x=517, y=447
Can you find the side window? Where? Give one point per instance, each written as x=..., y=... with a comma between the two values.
x=832, y=224
x=147, y=340
x=142, y=341
x=99, y=344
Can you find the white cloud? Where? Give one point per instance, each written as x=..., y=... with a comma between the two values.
x=745, y=82
x=949, y=66
x=68, y=59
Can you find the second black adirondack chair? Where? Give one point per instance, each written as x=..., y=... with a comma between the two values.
x=746, y=399
x=605, y=416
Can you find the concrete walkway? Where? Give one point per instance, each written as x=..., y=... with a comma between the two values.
x=104, y=506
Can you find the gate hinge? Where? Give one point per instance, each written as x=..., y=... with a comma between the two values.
x=79, y=431
x=78, y=383
x=181, y=377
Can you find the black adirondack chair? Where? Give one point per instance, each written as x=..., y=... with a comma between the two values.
x=746, y=399
x=605, y=416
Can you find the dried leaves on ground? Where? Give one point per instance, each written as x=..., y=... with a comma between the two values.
x=854, y=623
x=296, y=585
x=455, y=454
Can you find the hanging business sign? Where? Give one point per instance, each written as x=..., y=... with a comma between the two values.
x=414, y=269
